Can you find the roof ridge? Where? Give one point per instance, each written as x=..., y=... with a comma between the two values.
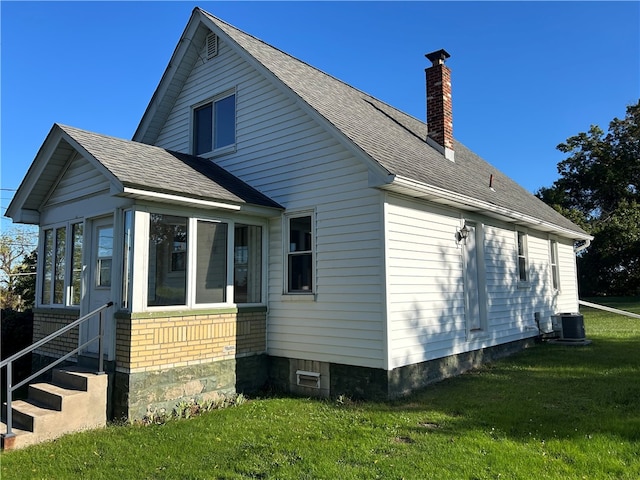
x=303, y=62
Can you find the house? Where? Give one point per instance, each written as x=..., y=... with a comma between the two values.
x=269, y=223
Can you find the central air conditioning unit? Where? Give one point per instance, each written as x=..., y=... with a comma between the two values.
x=569, y=326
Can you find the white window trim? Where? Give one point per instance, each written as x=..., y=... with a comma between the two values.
x=298, y=295
x=211, y=100
x=526, y=282
x=553, y=243
x=192, y=222
x=68, y=259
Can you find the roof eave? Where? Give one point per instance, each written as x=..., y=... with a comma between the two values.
x=169, y=198
x=434, y=194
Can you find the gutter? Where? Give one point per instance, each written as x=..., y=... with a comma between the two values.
x=464, y=202
x=582, y=247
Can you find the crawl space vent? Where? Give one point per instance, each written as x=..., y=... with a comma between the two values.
x=212, y=45
x=308, y=379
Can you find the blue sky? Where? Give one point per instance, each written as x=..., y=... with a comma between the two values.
x=525, y=75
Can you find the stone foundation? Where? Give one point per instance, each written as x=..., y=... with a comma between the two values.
x=164, y=358
x=378, y=384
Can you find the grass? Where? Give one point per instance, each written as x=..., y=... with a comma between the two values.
x=550, y=412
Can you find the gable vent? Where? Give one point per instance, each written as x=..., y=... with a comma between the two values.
x=212, y=45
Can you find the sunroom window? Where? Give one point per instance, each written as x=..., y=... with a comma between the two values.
x=247, y=264
x=189, y=262
x=211, y=262
x=62, y=265
x=167, y=279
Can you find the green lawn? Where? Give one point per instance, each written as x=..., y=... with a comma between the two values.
x=550, y=412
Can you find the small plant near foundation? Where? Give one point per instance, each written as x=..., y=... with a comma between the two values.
x=191, y=408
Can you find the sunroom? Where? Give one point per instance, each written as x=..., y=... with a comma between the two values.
x=176, y=243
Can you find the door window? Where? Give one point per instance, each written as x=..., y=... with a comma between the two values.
x=105, y=256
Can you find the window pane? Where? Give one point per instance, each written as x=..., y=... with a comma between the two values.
x=105, y=254
x=522, y=268
x=247, y=264
x=520, y=243
x=167, y=285
x=47, y=271
x=300, y=276
x=225, y=122
x=554, y=264
x=59, y=266
x=202, y=129
x=211, y=262
x=76, y=263
x=300, y=234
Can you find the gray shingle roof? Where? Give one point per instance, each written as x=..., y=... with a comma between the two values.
x=147, y=167
x=393, y=139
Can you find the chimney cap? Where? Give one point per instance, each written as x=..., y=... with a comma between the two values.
x=438, y=57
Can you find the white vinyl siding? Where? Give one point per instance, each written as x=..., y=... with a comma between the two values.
x=287, y=155
x=357, y=315
x=80, y=179
x=425, y=294
x=425, y=275
x=567, y=296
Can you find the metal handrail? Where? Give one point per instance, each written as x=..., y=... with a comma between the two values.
x=8, y=362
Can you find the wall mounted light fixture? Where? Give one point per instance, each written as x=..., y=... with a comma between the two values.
x=462, y=233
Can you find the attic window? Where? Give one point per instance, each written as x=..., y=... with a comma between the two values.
x=212, y=45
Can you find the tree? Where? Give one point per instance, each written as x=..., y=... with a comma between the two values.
x=599, y=189
x=16, y=248
x=24, y=286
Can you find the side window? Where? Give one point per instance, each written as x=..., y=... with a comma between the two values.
x=300, y=274
x=214, y=125
x=62, y=265
x=553, y=258
x=523, y=275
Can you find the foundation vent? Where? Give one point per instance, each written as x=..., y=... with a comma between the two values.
x=308, y=379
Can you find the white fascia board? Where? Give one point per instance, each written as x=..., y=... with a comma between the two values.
x=29, y=217
x=463, y=201
x=169, y=198
x=31, y=178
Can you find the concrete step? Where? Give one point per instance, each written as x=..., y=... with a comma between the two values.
x=72, y=378
x=52, y=396
x=76, y=401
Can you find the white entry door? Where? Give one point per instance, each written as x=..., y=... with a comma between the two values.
x=99, y=279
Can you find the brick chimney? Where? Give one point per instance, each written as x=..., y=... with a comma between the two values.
x=439, y=110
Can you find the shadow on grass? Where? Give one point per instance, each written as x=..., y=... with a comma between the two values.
x=546, y=392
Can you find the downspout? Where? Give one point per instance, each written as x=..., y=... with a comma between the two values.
x=582, y=247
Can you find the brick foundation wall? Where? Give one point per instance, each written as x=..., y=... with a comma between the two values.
x=148, y=342
x=49, y=320
x=165, y=357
